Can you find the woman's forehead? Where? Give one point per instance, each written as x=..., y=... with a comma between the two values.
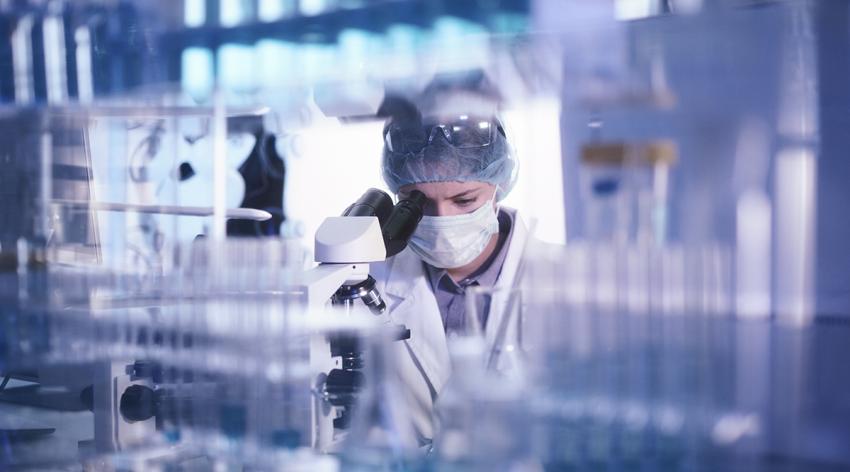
x=448, y=189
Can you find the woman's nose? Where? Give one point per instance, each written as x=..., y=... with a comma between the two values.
x=432, y=209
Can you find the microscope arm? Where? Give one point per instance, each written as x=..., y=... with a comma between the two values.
x=322, y=281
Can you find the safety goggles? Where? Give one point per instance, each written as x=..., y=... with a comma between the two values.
x=463, y=132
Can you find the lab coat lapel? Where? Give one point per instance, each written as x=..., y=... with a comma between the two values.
x=494, y=330
x=412, y=304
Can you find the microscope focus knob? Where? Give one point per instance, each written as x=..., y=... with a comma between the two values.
x=138, y=403
x=342, y=386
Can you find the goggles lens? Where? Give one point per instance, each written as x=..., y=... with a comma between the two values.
x=464, y=132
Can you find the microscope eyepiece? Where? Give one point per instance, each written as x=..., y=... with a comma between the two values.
x=373, y=202
x=402, y=222
x=397, y=222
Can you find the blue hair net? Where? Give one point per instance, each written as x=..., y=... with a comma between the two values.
x=466, y=93
x=442, y=162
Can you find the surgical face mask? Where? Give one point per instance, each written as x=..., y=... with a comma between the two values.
x=448, y=242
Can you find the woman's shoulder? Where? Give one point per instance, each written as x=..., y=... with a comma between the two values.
x=404, y=264
x=532, y=245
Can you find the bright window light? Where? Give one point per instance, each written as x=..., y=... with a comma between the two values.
x=634, y=9
x=275, y=63
x=333, y=166
x=236, y=67
x=271, y=10
x=312, y=7
x=197, y=73
x=534, y=131
x=235, y=12
x=194, y=13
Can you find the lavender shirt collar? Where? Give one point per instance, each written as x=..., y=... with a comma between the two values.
x=450, y=294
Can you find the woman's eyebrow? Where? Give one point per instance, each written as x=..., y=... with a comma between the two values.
x=464, y=194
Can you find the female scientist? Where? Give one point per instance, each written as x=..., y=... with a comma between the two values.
x=448, y=143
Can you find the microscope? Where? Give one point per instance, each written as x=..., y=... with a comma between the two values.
x=370, y=230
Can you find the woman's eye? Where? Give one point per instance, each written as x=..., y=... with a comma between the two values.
x=464, y=202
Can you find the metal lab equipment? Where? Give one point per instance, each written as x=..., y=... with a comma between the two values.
x=625, y=190
x=752, y=88
x=92, y=218
x=103, y=186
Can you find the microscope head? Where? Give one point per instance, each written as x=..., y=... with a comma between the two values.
x=350, y=239
x=370, y=230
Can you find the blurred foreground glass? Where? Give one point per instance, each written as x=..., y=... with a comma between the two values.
x=382, y=435
x=633, y=360
x=481, y=411
x=495, y=314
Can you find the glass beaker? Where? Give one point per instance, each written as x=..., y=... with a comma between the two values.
x=482, y=421
x=495, y=315
x=382, y=434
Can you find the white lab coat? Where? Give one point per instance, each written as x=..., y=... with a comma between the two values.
x=423, y=360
